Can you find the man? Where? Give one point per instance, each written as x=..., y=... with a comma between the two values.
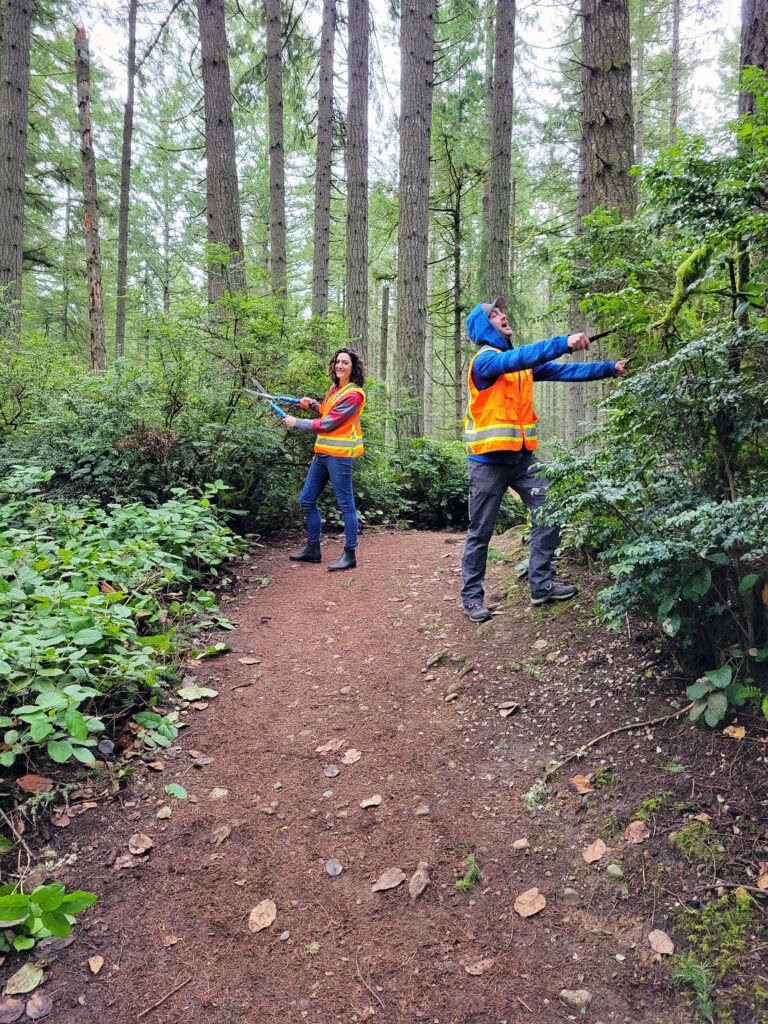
x=500, y=434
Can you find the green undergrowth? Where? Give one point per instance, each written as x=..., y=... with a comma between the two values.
x=93, y=604
x=696, y=843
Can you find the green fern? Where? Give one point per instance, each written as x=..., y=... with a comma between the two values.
x=473, y=874
x=755, y=694
x=698, y=977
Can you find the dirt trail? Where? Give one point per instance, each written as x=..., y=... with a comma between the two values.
x=347, y=657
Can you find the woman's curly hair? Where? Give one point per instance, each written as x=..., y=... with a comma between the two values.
x=358, y=367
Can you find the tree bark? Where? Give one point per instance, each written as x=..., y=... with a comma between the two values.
x=606, y=150
x=417, y=44
x=357, y=175
x=125, y=187
x=639, y=91
x=754, y=44
x=14, y=102
x=458, y=334
x=323, y=162
x=223, y=214
x=277, y=229
x=90, y=203
x=674, y=74
x=497, y=281
x=383, y=354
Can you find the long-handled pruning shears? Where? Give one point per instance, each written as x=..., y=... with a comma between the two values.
x=262, y=393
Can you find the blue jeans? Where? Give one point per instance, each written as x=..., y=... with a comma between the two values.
x=337, y=469
x=488, y=483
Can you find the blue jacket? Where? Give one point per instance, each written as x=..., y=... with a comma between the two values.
x=503, y=358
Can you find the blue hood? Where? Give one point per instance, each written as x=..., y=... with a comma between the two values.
x=482, y=332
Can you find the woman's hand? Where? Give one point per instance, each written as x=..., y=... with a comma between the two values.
x=306, y=403
x=289, y=421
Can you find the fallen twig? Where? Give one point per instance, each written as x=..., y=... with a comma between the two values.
x=9, y=822
x=523, y=1003
x=612, y=732
x=240, y=686
x=374, y=994
x=166, y=996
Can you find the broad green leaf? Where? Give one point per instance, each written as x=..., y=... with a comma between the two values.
x=748, y=582
x=76, y=901
x=720, y=677
x=24, y=980
x=174, y=789
x=698, y=689
x=49, y=897
x=194, y=692
x=84, y=754
x=5, y=844
x=51, y=700
x=697, y=709
x=87, y=637
x=14, y=907
x=56, y=922
x=40, y=728
x=717, y=705
x=76, y=725
x=23, y=942
x=60, y=750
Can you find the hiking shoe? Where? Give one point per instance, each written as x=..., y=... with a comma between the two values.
x=554, y=592
x=347, y=561
x=477, y=613
x=311, y=553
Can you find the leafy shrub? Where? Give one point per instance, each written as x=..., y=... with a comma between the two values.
x=47, y=910
x=76, y=586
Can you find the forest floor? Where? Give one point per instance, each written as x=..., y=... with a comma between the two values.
x=371, y=686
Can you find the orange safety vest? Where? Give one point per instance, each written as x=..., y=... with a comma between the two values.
x=347, y=439
x=501, y=417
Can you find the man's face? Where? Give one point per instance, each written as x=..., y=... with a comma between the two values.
x=499, y=320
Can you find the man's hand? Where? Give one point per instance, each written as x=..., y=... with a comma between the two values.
x=289, y=421
x=578, y=342
x=620, y=367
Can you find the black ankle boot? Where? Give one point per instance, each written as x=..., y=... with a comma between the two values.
x=347, y=561
x=311, y=553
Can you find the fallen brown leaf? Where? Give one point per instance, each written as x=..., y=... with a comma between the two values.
x=580, y=784
x=637, y=832
x=221, y=834
x=530, y=902
x=595, y=851
x=39, y=1006
x=330, y=747
x=762, y=878
x=60, y=820
x=660, y=942
x=372, y=801
x=388, y=879
x=34, y=783
x=262, y=915
x=156, y=766
x=478, y=966
x=10, y=1010
x=140, y=843
x=170, y=940
x=736, y=732
x=95, y=963
x=351, y=756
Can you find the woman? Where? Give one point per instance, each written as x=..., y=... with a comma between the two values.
x=338, y=443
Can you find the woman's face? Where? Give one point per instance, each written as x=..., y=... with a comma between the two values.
x=343, y=367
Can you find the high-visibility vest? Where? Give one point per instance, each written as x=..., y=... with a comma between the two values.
x=348, y=439
x=501, y=417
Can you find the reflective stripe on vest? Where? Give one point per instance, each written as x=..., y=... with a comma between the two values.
x=501, y=417
x=348, y=439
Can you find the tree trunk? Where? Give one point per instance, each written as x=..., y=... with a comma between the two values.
x=166, y=242
x=384, y=354
x=357, y=175
x=14, y=101
x=497, y=282
x=490, y=15
x=125, y=187
x=674, y=75
x=429, y=350
x=417, y=44
x=607, y=144
x=323, y=160
x=277, y=229
x=90, y=203
x=640, y=90
x=224, y=227
x=458, y=334
x=754, y=44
